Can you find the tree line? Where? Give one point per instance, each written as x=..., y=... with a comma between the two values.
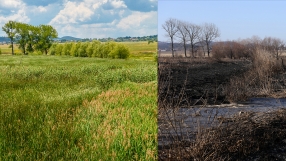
x=190, y=33
x=95, y=48
x=30, y=38
x=245, y=48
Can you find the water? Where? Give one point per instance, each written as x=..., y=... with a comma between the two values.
x=185, y=123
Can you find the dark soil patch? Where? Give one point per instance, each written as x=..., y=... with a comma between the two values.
x=196, y=81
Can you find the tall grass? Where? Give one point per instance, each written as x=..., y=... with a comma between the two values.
x=260, y=80
x=66, y=108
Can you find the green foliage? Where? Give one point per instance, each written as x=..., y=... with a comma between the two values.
x=46, y=34
x=30, y=38
x=75, y=49
x=10, y=29
x=91, y=49
x=119, y=52
x=52, y=50
x=66, y=49
x=82, y=50
x=59, y=49
x=0, y=51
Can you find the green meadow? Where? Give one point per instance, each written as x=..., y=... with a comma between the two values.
x=74, y=108
x=142, y=50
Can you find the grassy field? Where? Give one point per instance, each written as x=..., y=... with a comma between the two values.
x=142, y=50
x=6, y=50
x=139, y=50
x=68, y=108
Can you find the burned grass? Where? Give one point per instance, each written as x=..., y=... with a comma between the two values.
x=250, y=136
x=196, y=84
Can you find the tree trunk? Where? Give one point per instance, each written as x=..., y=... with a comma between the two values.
x=172, y=48
x=12, y=47
x=185, y=48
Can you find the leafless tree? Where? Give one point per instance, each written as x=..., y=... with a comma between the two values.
x=182, y=34
x=171, y=28
x=209, y=33
x=273, y=45
x=193, y=31
x=278, y=45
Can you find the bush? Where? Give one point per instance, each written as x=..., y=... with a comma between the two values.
x=120, y=52
x=52, y=50
x=75, y=49
x=0, y=52
x=66, y=49
x=230, y=49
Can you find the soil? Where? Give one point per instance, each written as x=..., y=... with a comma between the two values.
x=196, y=81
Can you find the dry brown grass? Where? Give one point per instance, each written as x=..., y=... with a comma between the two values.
x=261, y=80
x=246, y=135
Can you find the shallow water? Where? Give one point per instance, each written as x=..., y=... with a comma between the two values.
x=185, y=123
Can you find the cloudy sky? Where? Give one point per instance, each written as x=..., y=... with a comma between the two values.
x=85, y=18
x=235, y=19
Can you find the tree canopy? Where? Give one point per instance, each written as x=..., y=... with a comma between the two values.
x=29, y=37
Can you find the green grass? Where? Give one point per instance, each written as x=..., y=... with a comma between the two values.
x=142, y=50
x=6, y=50
x=68, y=108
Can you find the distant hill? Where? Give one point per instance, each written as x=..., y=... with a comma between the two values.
x=69, y=38
x=2, y=39
x=119, y=39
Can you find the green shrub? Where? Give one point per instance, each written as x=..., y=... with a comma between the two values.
x=120, y=51
x=0, y=52
x=52, y=50
x=66, y=49
x=59, y=49
x=75, y=49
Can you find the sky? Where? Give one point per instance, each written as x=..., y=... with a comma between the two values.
x=85, y=18
x=235, y=19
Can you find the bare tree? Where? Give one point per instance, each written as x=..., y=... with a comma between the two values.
x=278, y=45
x=171, y=28
x=209, y=33
x=273, y=45
x=194, y=34
x=182, y=34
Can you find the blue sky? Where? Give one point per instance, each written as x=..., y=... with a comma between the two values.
x=235, y=19
x=85, y=18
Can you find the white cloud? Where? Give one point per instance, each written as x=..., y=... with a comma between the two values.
x=118, y=4
x=20, y=16
x=42, y=9
x=73, y=13
x=137, y=19
x=83, y=18
x=12, y=4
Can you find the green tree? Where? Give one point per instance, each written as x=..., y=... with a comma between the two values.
x=59, y=49
x=97, y=48
x=24, y=37
x=52, y=50
x=9, y=29
x=75, y=49
x=66, y=49
x=82, y=50
x=120, y=51
x=45, y=36
x=107, y=48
